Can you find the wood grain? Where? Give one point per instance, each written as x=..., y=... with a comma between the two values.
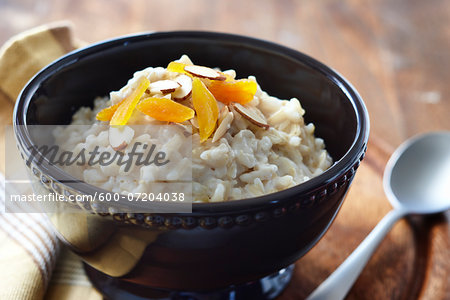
x=396, y=53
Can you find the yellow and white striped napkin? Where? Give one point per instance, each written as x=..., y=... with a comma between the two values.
x=35, y=235
x=29, y=263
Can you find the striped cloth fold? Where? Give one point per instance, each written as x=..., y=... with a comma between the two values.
x=34, y=232
x=29, y=265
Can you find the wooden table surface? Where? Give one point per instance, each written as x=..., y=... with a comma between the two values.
x=396, y=53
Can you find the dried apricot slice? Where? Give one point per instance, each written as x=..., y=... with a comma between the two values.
x=241, y=91
x=164, y=109
x=107, y=113
x=127, y=106
x=205, y=106
x=177, y=67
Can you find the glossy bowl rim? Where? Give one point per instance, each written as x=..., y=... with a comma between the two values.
x=262, y=202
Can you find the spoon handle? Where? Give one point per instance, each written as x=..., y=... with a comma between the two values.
x=337, y=285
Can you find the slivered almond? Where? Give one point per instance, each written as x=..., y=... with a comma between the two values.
x=163, y=86
x=251, y=114
x=120, y=137
x=194, y=122
x=222, y=113
x=223, y=127
x=185, y=89
x=204, y=72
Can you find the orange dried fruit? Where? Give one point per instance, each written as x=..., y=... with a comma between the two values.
x=177, y=67
x=107, y=113
x=205, y=106
x=127, y=106
x=241, y=91
x=164, y=109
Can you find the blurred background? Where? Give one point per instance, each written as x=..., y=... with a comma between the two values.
x=397, y=55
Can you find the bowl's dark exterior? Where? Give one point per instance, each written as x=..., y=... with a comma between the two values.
x=218, y=244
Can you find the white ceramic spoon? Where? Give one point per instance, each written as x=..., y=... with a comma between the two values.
x=416, y=181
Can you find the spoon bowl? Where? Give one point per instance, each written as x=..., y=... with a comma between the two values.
x=417, y=176
x=416, y=181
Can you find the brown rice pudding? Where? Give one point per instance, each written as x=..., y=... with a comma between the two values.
x=245, y=143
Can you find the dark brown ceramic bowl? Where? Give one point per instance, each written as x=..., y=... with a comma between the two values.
x=220, y=244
